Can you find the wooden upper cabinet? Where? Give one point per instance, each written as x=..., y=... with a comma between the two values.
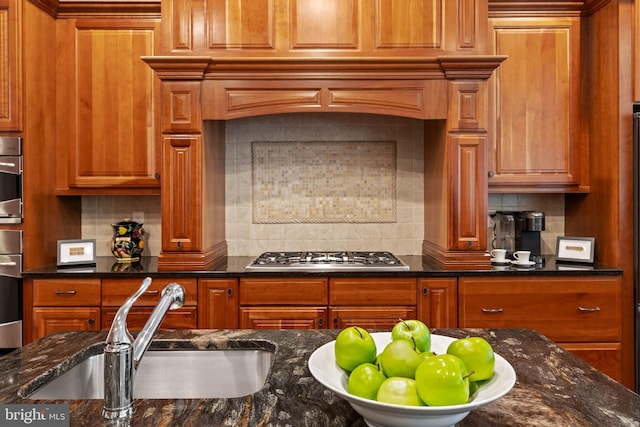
x=10, y=66
x=108, y=102
x=539, y=144
x=305, y=27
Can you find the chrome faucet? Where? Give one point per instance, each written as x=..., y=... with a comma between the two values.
x=122, y=354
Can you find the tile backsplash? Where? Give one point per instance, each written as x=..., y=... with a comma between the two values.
x=246, y=238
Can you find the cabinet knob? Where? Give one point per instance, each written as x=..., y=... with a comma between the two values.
x=492, y=174
x=156, y=175
x=492, y=310
x=425, y=291
x=179, y=245
x=320, y=322
x=91, y=321
x=229, y=291
x=335, y=321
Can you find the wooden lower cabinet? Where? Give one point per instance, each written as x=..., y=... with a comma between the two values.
x=217, y=304
x=373, y=303
x=438, y=302
x=49, y=320
x=582, y=314
x=61, y=305
x=369, y=317
x=283, y=303
x=116, y=291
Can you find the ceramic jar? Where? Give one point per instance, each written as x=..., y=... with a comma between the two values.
x=127, y=243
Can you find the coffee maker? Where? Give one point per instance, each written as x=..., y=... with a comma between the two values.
x=519, y=231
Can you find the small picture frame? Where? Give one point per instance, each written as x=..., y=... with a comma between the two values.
x=76, y=252
x=575, y=249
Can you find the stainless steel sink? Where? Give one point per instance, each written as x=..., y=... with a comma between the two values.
x=169, y=374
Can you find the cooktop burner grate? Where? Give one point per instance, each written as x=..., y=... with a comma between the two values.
x=327, y=261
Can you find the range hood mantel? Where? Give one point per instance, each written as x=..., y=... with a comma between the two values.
x=388, y=68
x=428, y=60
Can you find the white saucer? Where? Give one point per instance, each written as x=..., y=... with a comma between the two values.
x=505, y=262
x=523, y=264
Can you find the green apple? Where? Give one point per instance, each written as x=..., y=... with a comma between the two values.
x=354, y=346
x=365, y=380
x=400, y=358
x=400, y=391
x=442, y=380
x=477, y=355
x=408, y=329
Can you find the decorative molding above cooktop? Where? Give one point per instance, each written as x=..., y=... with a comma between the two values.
x=324, y=182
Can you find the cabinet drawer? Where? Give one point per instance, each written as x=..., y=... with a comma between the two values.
x=565, y=310
x=283, y=291
x=66, y=293
x=372, y=291
x=116, y=291
x=180, y=318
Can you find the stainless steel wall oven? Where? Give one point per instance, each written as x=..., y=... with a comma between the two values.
x=10, y=180
x=10, y=289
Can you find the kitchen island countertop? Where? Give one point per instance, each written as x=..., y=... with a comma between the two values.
x=553, y=388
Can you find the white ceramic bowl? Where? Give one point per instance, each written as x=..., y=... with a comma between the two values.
x=326, y=371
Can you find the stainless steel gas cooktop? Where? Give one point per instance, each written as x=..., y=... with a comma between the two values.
x=327, y=261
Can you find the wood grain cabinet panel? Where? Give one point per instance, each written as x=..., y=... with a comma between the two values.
x=372, y=291
x=66, y=292
x=342, y=27
x=10, y=66
x=438, y=302
x=283, y=317
x=61, y=305
x=49, y=320
x=116, y=291
x=108, y=106
x=180, y=318
x=582, y=314
x=539, y=142
x=218, y=303
x=369, y=317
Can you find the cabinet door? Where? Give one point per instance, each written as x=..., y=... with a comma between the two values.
x=536, y=93
x=284, y=317
x=438, y=302
x=48, y=320
x=10, y=66
x=108, y=106
x=606, y=357
x=370, y=318
x=217, y=304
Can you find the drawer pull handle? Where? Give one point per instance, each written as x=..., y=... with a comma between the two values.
x=72, y=292
x=492, y=310
x=588, y=309
x=151, y=292
x=10, y=264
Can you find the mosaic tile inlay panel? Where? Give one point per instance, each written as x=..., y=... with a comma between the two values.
x=324, y=182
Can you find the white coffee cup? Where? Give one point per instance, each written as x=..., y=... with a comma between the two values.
x=499, y=255
x=522, y=257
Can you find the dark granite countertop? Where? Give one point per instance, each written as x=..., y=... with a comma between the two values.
x=553, y=388
x=235, y=267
